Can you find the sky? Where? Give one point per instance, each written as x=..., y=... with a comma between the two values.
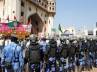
x=77, y=13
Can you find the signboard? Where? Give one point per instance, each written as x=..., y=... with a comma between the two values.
x=28, y=27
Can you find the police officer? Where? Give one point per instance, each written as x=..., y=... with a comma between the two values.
x=52, y=55
x=64, y=56
x=12, y=56
x=18, y=60
x=95, y=54
x=33, y=55
x=43, y=48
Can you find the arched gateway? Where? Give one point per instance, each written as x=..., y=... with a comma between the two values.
x=37, y=23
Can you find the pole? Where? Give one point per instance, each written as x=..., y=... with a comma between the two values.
x=3, y=7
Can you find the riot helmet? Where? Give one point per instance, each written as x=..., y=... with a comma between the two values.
x=33, y=39
x=43, y=39
x=14, y=39
x=53, y=42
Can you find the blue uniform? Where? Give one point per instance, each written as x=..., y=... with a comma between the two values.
x=43, y=45
x=9, y=52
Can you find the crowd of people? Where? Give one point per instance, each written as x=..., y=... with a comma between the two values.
x=47, y=54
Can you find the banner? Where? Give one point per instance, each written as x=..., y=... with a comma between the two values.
x=12, y=24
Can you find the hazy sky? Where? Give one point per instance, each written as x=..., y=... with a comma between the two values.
x=78, y=13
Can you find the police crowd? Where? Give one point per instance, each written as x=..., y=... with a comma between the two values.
x=47, y=54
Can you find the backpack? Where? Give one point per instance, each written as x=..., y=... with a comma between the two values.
x=52, y=52
x=71, y=51
x=34, y=54
x=64, y=51
x=52, y=49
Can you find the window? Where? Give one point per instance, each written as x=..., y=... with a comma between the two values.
x=52, y=3
x=45, y=22
x=41, y=14
x=45, y=15
x=45, y=29
x=13, y=11
x=36, y=23
x=50, y=8
x=39, y=0
x=45, y=6
x=90, y=32
x=47, y=3
x=49, y=21
x=29, y=8
x=22, y=13
x=37, y=29
x=22, y=3
x=42, y=4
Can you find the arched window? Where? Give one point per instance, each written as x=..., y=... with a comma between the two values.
x=50, y=8
x=22, y=3
x=49, y=21
x=45, y=22
x=29, y=8
x=22, y=13
x=39, y=0
x=52, y=3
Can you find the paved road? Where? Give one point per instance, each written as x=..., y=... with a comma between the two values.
x=93, y=70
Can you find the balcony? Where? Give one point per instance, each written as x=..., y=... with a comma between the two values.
x=43, y=5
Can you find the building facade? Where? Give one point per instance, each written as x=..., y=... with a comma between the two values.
x=70, y=31
x=39, y=12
